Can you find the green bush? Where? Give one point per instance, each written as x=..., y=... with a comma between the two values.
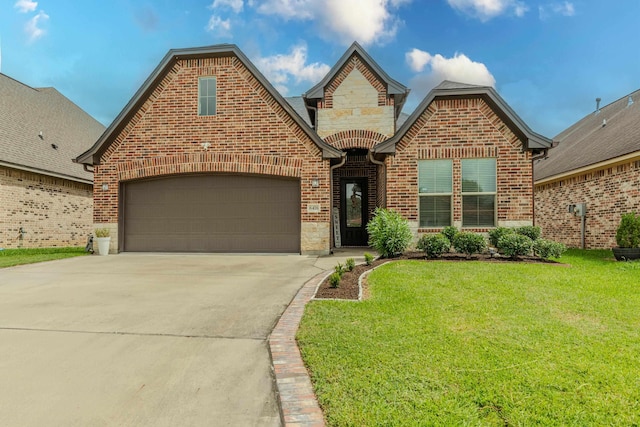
x=339, y=269
x=334, y=279
x=368, y=258
x=389, y=233
x=469, y=243
x=450, y=232
x=350, y=264
x=496, y=233
x=434, y=245
x=546, y=249
x=628, y=233
x=515, y=245
x=531, y=231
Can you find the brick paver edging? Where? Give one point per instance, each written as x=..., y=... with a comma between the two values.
x=298, y=404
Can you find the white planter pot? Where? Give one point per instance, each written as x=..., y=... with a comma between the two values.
x=103, y=245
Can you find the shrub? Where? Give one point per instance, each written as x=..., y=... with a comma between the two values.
x=450, y=232
x=434, y=245
x=497, y=233
x=389, y=233
x=102, y=232
x=350, y=264
x=546, y=249
x=469, y=243
x=515, y=245
x=628, y=232
x=339, y=269
x=368, y=258
x=531, y=231
x=334, y=280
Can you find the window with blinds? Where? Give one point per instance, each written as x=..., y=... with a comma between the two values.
x=435, y=190
x=478, y=192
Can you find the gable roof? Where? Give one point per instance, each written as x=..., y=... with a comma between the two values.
x=33, y=120
x=298, y=104
x=448, y=89
x=395, y=88
x=601, y=136
x=92, y=156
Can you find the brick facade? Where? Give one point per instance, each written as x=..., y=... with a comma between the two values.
x=52, y=212
x=457, y=129
x=608, y=193
x=251, y=133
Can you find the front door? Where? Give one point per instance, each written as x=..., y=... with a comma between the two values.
x=353, y=211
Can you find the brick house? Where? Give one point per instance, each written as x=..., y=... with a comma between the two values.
x=45, y=198
x=208, y=156
x=596, y=162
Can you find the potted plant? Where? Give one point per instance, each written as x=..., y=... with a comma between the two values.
x=103, y=239
x=628, y=238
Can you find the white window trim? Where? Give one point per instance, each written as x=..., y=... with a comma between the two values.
x=435, y=194
x=484, y=193
x=200, y=78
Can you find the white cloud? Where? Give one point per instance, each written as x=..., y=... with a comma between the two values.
x=459, y=68
x=279, y=69
x=219, y=26
x=32, y=26
x=25, y=6
x=488, y=9
x=417, y=59
x=367, y=21
x=235, y=5
x=565, y=9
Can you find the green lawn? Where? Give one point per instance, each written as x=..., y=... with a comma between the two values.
x=11, y=257
x=471, y=343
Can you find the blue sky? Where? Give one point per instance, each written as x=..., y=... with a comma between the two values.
x=548, y=59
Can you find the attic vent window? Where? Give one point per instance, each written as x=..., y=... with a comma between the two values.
x=207, y=96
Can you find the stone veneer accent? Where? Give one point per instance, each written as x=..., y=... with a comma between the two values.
x=608, y=192
x=53, y=212
x=250, y=134
x=457, y=129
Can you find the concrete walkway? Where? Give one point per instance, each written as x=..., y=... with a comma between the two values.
x=144, y=339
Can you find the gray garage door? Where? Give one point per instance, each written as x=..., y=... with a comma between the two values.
x=211, y=213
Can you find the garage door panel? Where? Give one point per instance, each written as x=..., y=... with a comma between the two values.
x=212, y=213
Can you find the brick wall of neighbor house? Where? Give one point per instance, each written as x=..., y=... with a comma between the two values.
x=608, y=194
x=457, y=129
x=251, y=133
x=53, y=212
x=356, y=99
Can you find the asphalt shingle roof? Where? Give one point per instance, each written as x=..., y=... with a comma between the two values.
x=588, y=142
x=25, y=112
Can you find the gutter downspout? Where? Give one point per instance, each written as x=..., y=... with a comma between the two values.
x=331, y=169
x=384, y=168
x=540, y=156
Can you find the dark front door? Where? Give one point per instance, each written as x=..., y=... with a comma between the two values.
x=353, y=211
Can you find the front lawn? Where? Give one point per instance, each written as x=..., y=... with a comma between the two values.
x=11, y=257
x=472, y=343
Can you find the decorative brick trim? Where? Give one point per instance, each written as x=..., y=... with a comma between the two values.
x=417, y=126
x=210, y=162
x=457, y=152
x=356, y=138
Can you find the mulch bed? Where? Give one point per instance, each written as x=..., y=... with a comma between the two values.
x=348, y=289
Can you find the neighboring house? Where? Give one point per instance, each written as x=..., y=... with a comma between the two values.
x=208, y=156
x=597, y=162
x=45, y=198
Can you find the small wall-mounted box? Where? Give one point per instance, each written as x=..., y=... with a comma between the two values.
x=313, y=208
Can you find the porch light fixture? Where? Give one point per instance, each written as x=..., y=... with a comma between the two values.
x=315, y=183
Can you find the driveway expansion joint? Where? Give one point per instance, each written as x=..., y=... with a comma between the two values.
x=140, y=334
x=298, y=403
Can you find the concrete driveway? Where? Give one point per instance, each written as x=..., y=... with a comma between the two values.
x=143, y=339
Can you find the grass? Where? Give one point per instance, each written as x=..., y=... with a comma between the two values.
x=11, y=257
x=471, y=343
